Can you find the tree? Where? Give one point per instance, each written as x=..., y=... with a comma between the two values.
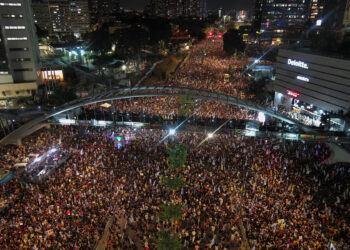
x=130, y=40
x=258, y=88
x=177, y=156
x=173, y=211
x=233, y=41
x=186, y=104
x=173, y=184
x=196, y=28
x=100, y=41
x=62, y=95
x=167, y=240
x=159, y=30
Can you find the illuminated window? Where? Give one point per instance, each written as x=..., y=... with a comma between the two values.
x=15, y=27
x=21, y=60
x=17, y=38
x=10, y=4
x=11, y=16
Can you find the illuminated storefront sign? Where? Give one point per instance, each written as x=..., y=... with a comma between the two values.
x=299, y=64
x=303, y=78
x=52, y=75
x=293, y=94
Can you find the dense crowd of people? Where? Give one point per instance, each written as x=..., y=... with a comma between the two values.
x=203, y=72
x=279, y=191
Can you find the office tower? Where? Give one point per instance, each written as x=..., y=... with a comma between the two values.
x=62, y=17
x=19, y=52
x=282, y=18
x=102, y=11
x=316, y=10
x=334, y=13
x=4, y=69
x=172, y=8
x=158, y=8
x=257, y=14
x=190, y=8
x=20, y=40
x=347, y=16
x=203, y=8
x=177, y=8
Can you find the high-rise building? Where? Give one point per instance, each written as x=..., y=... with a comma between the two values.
x=334, y=13
x=102, y=11
x=62, y=17
x=316, y=10
x=178, y=8
x=19, y=51
x=4, y=69
x=203, y=8
x=347, y=16
x=257, y=14
x=281, y=18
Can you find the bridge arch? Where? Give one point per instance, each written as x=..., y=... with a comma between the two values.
x=152, y=91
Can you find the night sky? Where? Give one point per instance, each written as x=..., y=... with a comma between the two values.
x=227, y=5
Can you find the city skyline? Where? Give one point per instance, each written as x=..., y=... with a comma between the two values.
x=211, y=4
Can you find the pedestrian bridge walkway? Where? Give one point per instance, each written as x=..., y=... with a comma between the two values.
x=136, y=92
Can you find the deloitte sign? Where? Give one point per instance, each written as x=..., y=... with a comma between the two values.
x=299, y=64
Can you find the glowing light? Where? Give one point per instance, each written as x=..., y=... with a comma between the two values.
x=291, y=136
x=118, y=138
x=210, y=135
x=119, y=145
x=102, y=123
x=37, y=159
x=303, y=78
x=293, y=94
x=66, y=121
x=296, y=63
x=124, y=67
x=172, y=131
x=319, y=22
x=52, y=75
x=52, y=150
x=250, y=133
x=261, y=117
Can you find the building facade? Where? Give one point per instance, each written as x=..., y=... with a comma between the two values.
x=19, y=52
x=257, y=15
x=283, y=19
x=334, y=13
x=346, y=21
x=102, y=11
x=316, y=10
x=177, y=8
x=320, y=83
x=62, y=17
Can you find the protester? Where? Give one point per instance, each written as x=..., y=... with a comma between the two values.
x=278, y=190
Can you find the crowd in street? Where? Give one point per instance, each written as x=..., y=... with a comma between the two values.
x=170, y=107
x=203, y=72
x=277, y=190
